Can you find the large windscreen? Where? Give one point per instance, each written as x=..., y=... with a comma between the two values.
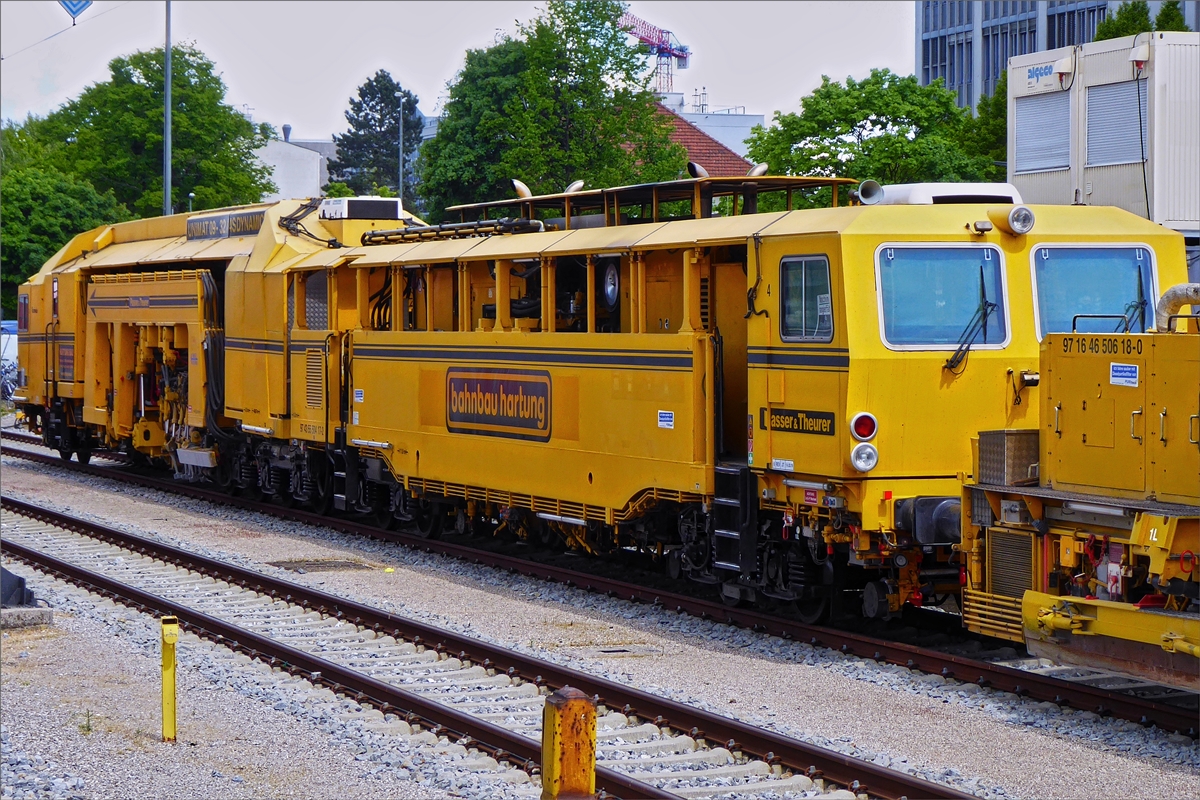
x=1114, y=285
x=935, y=296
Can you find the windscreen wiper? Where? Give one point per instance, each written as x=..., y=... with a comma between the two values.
x=1136, y=307
x=978, y=323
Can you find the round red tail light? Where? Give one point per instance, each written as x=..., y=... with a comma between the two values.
x=863, y=426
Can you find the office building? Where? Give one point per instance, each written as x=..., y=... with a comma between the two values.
x=968, y=44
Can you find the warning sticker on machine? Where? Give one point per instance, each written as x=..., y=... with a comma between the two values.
x=1123, y=374
x=666, y=419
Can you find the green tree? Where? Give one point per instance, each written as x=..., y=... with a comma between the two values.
x=564, y=100
x=368, y=154
x=1131, y=18
x=885, y=127
x=986, y=134
x=1170, y=17
x=19, y=148
x=462, y=163
x=338, y=189
x=43, y=209
x=112, y=135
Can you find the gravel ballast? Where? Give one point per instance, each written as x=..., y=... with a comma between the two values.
x=82, y=704
x=987, y=742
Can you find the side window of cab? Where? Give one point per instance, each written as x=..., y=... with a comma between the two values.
x=807, y=299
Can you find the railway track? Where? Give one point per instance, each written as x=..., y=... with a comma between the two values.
x=476, y=694
x=1063, y=689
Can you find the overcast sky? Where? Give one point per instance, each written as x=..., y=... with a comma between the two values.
x=299, y=62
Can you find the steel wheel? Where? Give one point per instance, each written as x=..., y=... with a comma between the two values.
x=428, y=518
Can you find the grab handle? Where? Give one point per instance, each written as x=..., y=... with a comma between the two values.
x=1162, y=426
x=1190, y=439
x=1133, y=435
x=1057, y=429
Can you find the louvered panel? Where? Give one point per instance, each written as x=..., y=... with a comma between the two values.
x=314, y=378
x=705, y=303
x=1010, y=563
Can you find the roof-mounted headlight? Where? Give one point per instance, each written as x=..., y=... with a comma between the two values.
x=1016, y=220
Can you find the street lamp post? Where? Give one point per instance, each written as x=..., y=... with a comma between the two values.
x=400, y=182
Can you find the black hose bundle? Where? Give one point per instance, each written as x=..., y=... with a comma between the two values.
x=214, y=360
x=381, y=305
x=292, y=224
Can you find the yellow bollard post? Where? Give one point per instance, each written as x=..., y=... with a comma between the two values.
x=170, y=635
x=568, y=746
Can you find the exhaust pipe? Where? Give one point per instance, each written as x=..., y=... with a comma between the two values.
x=1174, y=299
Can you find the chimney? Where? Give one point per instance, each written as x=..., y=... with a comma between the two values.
x=287, y=132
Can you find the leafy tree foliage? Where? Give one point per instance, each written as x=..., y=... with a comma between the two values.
x=338, y=189
x=886, y=127
x=18, y=147
x=1131, y=18
x=368, y=154
x=1170, y=17
x=564, y=100
x=43, y=209
x=112, y=135
x=986, y=134
x=462, y=163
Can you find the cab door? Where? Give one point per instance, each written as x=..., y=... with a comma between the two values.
x=801, y=370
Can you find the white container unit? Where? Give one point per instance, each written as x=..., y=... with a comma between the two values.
x=1111, y=123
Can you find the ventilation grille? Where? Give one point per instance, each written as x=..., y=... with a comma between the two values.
x=704, y=304
x=314, y=378
x=316, y=301
x=1010, y=563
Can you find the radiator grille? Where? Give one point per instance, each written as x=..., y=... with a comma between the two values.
x=1010, y=563
x=314, y=378
x=705, y=312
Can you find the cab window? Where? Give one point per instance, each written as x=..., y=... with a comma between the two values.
x=936, y=297
x=1113, y=285
x=807, y=300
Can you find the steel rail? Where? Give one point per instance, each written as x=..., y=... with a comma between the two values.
x=733, y=734
x=502, y=744
x=995, y=676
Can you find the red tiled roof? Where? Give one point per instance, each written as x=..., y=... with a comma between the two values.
x=706, y=151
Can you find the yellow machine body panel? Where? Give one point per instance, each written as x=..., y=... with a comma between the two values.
x=1122, y=415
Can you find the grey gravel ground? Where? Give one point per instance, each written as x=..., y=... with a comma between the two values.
x=85, y=693
x=991, y=743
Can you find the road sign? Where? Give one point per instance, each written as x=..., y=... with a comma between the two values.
x=75, y=7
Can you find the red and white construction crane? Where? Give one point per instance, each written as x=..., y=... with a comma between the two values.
x=663, y=44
